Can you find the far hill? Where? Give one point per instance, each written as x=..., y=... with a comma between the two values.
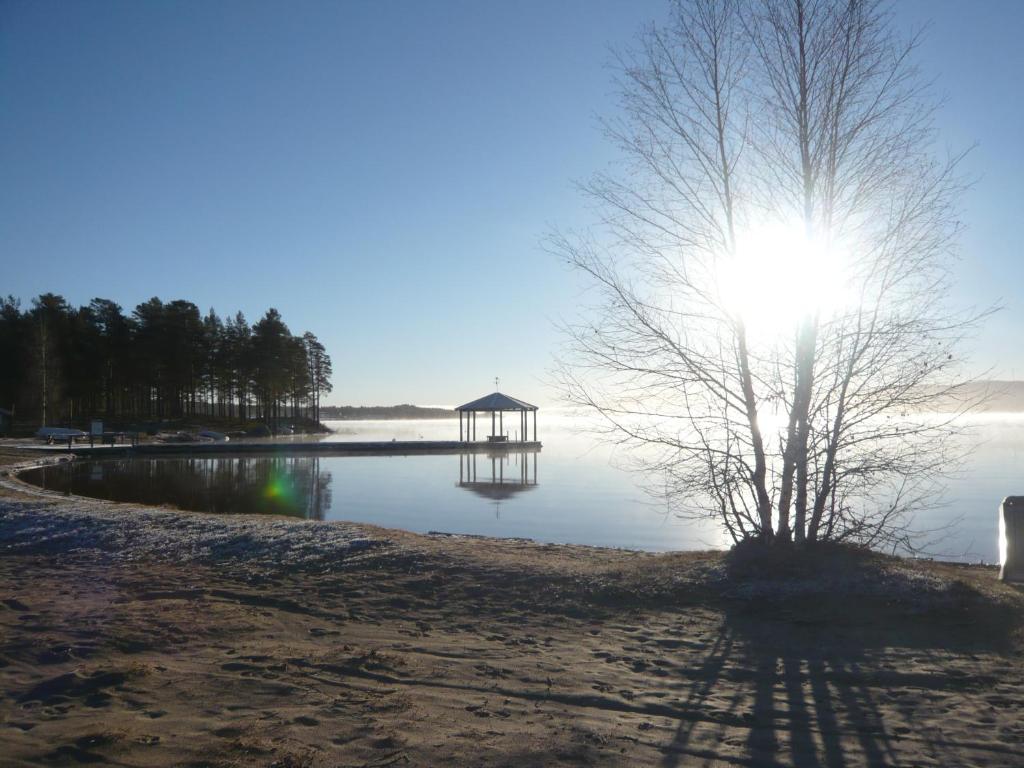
x=987, y=396
x=360, y=412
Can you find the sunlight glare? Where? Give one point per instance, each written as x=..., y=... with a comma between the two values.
x=779, y=275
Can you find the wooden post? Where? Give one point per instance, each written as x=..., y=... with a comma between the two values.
x=535, y=426
x=460, y=438
x=501, y=422
x=492, y=423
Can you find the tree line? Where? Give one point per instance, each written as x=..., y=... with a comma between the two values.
x=164, y=360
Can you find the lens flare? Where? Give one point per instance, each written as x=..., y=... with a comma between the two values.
x=280, y=493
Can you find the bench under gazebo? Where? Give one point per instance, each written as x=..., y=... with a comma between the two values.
x=496, y=404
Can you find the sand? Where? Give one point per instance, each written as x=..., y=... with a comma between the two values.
x=145, y=637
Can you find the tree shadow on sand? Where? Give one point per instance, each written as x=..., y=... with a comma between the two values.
x=846, y=659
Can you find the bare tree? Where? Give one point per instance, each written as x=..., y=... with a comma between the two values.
x=772, y=271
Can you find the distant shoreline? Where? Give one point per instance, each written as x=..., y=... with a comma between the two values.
x=986, y=396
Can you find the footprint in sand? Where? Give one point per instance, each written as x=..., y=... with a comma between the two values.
x=72, y=685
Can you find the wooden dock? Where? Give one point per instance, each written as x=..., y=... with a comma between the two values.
x=284, y=448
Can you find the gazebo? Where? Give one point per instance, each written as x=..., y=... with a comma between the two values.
x=497, y=404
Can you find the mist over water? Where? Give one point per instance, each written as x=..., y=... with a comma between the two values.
x=992, y=469
x=575, y=490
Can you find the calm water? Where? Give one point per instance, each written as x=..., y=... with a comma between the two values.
x=571, y=491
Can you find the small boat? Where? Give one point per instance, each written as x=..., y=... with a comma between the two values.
x=53, y=434
x=209, y=434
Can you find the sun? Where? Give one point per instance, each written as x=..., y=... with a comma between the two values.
x=780, y=275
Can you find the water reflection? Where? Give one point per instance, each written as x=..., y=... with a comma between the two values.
x=498, y=475
x=275, y=485
x=585, y=498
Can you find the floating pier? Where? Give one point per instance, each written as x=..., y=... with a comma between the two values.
x=321, y=447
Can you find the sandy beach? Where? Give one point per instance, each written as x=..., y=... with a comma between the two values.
x=138, y=636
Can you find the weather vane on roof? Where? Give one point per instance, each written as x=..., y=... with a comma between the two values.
x=496, y=380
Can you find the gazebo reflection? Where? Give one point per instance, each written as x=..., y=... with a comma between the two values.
x=498, y=475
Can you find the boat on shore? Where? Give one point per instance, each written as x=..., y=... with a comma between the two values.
x=54, y=434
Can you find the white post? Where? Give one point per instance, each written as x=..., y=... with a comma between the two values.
x=1011, y=539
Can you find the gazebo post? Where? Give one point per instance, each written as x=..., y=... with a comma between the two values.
x=460, y=438
x=492, y=423
x=501, y=422
x=535, y=425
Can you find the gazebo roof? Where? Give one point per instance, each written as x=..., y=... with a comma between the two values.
x=497, y=491
x=496, y=401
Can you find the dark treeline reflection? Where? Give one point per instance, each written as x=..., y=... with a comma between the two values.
x=280, y=485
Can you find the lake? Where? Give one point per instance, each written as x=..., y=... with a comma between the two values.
x=571, y=491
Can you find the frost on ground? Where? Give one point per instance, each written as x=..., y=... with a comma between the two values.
x=125, y=533
x=257, y=546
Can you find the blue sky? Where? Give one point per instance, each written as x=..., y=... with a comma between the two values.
x=383, y=172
